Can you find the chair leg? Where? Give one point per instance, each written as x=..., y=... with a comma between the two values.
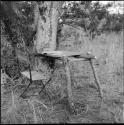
x=25, y=89
x=44, y=85
x=44, y=91
x=43, y=88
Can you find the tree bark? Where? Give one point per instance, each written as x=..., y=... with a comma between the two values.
x=47, y=25
x=47, y=22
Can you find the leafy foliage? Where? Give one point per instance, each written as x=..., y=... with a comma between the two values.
x=18, y=18
x=93, y=17
x=16, y=26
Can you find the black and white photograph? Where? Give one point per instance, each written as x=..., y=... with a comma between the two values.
x=62, y=62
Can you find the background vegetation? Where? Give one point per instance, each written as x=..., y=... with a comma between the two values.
x=84, y=26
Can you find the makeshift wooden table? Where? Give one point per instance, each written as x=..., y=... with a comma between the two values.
x=66, y=57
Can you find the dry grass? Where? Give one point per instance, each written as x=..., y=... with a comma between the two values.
x=109, y=64
x=109, y=52
x=108, y=48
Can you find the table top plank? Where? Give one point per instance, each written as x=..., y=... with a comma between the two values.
x=60, y=54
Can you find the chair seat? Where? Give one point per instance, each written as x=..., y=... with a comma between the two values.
x=35, y=75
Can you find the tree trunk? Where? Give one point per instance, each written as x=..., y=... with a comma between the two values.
x=47, y=25
x=47, y=22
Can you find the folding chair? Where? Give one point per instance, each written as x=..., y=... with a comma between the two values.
x=34, y=75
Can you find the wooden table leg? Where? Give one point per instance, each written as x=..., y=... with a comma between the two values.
x=96, y=78
x=69, y=90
